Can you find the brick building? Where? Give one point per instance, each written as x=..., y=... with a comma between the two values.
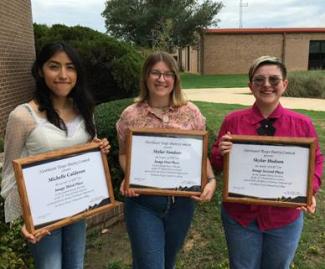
x=231, y=51
x=17, y=54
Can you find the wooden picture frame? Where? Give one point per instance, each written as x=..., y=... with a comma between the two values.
x=263, y=170
x=60, y=187
x=166, y=161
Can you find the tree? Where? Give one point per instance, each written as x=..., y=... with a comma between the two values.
x=159, y=23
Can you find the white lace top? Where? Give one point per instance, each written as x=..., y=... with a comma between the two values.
x=28, y=134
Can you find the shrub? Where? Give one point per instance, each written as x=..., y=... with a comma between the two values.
x=112, y=67
x=14, y=253
x=306, y=84
x=106, y=116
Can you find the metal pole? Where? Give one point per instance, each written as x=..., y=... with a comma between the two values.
x=241, y=5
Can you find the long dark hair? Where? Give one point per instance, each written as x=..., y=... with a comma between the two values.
x=81, y=97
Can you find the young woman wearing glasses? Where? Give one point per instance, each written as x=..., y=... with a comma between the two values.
x=264, y=236
x=157, y=225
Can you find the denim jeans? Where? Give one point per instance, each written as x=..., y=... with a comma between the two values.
x=157, y=227
x=250, y=248
x=64, y=248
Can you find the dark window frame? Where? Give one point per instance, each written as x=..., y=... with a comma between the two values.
x=316, y=58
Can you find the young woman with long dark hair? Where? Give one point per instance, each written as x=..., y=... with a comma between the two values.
x=60, y=115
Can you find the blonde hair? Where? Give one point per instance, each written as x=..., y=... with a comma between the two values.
x=267, y=60
x=178, y=98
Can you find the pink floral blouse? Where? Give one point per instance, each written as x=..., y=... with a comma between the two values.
x=141, y=115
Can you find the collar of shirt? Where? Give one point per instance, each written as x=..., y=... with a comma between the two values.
x=257, y=115
x=150, y=109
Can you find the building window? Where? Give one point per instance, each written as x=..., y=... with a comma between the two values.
x=316, y=55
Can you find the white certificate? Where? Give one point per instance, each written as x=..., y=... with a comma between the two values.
x=63, y=188
x=60, y=187
x=269, y=170
x=166, y=161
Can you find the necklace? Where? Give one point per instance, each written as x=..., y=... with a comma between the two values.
x=165, y=118
x=160, y=110
x=161, y=113
x=160, y=106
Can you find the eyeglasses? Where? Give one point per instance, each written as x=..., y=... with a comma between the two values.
x=167, y=75
x=260, y=80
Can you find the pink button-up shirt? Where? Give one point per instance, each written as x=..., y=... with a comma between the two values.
x=288, y=123
x=141, y=115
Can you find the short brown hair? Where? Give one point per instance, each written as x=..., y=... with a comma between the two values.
x=178, y=98
x=267, y=60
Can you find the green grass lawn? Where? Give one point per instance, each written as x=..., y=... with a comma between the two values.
x=193, y=81
x=205, y=247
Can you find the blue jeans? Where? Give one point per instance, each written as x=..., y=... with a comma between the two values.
x=157, y=227
x=64, y=248
x=251, y=248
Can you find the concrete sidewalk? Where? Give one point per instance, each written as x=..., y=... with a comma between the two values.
x=242, y=96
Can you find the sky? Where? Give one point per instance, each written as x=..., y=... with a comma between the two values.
x=255, y=13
